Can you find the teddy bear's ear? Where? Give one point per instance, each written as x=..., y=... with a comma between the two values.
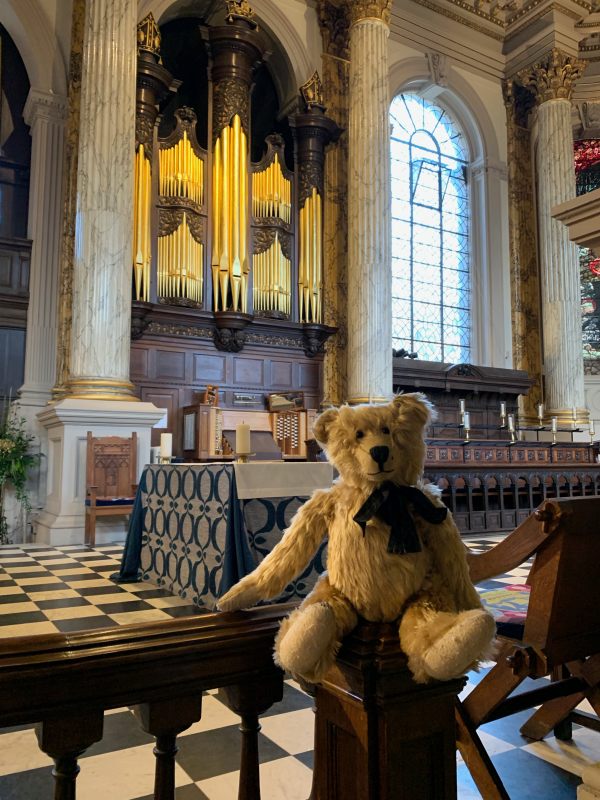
x=418, y=405
x=323, y=424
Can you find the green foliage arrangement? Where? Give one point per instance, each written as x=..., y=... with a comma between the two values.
x=15, y=462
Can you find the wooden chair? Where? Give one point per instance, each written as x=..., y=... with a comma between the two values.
x=111, y=466
x=560, y=636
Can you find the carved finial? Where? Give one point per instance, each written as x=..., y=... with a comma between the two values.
x=148, y=36
x=312, y=92
x=554, y=77
x=240, y=9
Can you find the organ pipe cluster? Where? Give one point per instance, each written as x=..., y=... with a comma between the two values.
x=230, y=263
x=142, y=255
x=180, y=261
x=272, y=290
x=310, y=267
x=181, y=172
x=272, y=193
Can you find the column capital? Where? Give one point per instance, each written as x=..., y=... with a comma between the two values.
x=334, y=21
x=47, y=105
x=370, y=9
x=554, y=77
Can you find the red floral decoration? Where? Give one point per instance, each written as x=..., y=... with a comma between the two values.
x=587, y=154
x=594, y=266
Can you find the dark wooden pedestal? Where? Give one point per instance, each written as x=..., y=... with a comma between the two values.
x=379, y=735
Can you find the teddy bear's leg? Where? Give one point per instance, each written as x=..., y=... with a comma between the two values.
x=309, y=638
x=444, y=645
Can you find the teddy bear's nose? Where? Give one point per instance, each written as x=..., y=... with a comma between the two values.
x=380, y=454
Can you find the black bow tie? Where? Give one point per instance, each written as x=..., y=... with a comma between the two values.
x=389, y=503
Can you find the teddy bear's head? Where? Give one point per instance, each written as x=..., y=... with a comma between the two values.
x=371, y=444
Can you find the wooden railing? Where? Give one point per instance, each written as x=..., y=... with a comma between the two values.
x=65, y=682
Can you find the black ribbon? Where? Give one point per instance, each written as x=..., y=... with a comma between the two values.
x=389, y=503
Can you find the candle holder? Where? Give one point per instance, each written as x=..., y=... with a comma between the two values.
x=553, y=438
x=243, y=458
x=513, y=437
x=164, y=459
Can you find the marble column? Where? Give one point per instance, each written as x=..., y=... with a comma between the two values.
x=45, y=114
x=369, y=231
x=100, y=332
x=334, y=22
x=552, y=82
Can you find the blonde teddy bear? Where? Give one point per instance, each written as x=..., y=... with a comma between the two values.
x=394, y=552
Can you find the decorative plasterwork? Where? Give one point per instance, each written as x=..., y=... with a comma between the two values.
x=370, y=9
x=438, y=68
x=554, y=77
x=334, y=21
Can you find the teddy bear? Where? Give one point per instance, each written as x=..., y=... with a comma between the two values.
x=394, y=552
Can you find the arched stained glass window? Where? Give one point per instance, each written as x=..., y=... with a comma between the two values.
x=431, y=288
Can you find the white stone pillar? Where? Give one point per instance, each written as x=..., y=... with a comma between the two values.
x=100, y=339
x=45, y=113
x=552, y=81
x=369, y=201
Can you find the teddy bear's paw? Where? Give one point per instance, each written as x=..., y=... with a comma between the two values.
x=241, y=596
x=461, y=646
x=307, y=642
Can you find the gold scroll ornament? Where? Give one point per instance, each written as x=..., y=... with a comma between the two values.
x=181, y=172
x=180, y=261
x=141, y=229
x=230, y=264
x=310, y=272
x=272, y=272
x=272, y=192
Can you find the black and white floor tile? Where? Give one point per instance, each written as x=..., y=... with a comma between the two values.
x=44, y=589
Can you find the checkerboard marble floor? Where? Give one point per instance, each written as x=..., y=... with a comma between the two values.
x=46, y=589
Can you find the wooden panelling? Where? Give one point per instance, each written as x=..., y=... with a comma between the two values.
x=12, y=361
x=139, y=364
x=281, y=374
x=163, y=398
x=14, y=267
x=248, y=371
x=310, y=375
x=209, y=368
x=170, y=364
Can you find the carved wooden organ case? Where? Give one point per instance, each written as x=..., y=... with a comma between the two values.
x=215, y=232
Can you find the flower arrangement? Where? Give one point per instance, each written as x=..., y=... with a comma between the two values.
x=587, y=154
x=15, y=462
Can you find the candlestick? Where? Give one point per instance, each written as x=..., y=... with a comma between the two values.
x=502, y=409
x=511, y=423
x=166, y=447
x=462, y=406
x=467, y=421
x=242, y=439
x=540, y=410
x=592, y=428
x=574, y=414
x=554, y=424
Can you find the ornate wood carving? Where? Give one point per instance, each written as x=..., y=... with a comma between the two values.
x=263, y=237
x=171, y=218
x=231, y=96
x=312, y=132
x=153, y=82
x=334, y=21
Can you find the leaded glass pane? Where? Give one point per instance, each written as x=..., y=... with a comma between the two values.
x=430, y=232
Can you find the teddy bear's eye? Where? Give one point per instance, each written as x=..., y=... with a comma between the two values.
x=359, y=434
x=385, y=429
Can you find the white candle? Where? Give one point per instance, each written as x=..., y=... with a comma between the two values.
x=554, y=424
x=166, y=445
x=574, y=412
x=511, y=422
x=541, y=410
x=242, y=439
x=467, y=421
x=592, y=428
x=502, y=409
x=461, y=406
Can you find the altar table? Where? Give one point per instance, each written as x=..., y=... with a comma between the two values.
x=196, y=529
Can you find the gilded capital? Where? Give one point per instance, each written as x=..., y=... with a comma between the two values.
x=334, y=20
x=370, y=9
x=554, y=77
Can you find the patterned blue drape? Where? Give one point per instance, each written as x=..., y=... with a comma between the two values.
x=191, y=534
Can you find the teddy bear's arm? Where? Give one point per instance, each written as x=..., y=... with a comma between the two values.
x=288, y=558
x=450, y=557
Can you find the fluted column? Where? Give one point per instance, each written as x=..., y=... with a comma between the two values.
x=369, y=232
x=552, y=81
x=100, y=335
x=45, y=114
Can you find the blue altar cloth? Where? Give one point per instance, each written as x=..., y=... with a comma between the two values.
x=190, y=533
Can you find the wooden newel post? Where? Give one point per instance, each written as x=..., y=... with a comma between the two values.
x=378, y=734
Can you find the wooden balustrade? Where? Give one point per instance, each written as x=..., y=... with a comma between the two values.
x=65, y=682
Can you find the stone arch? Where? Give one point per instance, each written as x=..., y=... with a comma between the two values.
x=29, y=28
